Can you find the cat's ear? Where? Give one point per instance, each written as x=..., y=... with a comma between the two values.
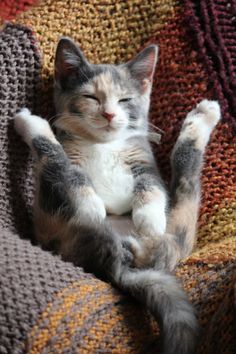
x=142, y=67
x=70, y=62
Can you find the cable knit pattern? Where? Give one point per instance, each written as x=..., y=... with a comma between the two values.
x=213, y=24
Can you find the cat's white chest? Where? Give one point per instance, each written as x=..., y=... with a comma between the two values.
x=112, y=180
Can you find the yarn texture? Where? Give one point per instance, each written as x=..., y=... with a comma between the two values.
x=49, y=306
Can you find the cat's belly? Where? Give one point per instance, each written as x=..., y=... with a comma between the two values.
x=113, y=182
x=115, y=186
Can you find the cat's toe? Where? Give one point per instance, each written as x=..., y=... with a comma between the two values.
x=127, y=256
x=89, y=208
x=206, y=112
x=150, y=220
x=31, y=126
x=200, y=123
x=210, y=110
x=23, y=112
x=21, y=121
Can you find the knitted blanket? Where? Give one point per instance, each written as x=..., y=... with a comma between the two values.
x=48, y=306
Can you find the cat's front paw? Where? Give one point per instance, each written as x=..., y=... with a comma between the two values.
x=90, y=208
x=150, y=220
x=30, y=126
x=22, y=122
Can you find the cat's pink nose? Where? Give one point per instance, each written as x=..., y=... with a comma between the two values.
x=108, y=116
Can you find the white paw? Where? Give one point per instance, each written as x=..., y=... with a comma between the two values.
x=30, y=126
x=150, y=220
x=211, y=112
x=200, y=122
x=90, y=208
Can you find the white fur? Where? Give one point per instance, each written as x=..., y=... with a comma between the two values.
x=112, y=181
x=150, y=219
x=203, y=119
x=108, y=95
x=90, y=209
x=103, y=162
x=101, y=95
x=30, y=126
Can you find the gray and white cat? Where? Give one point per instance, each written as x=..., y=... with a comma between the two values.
x=101, y=164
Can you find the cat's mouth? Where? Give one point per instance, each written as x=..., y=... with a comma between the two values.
x=107, y=132
x=108, y=128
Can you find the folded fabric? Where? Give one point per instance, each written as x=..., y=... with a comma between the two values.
x=48, y=306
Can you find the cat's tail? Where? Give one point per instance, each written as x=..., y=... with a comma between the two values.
x=186, y=164
x=163, y=296
x=101, y=251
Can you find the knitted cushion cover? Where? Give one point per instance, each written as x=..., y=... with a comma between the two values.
x=49, y=306
x=213, y=24
x=10, y=8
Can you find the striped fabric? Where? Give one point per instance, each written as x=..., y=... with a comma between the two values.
x=52, y=306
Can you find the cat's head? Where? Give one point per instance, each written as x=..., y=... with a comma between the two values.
x=102, y=102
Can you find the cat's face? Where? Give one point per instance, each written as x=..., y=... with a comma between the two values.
x=102, y=102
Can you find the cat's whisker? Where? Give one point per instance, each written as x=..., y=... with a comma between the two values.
x=113, y=169
x=53, y=117
x=155, y=127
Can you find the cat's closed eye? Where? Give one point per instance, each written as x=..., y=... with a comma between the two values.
x=125, y=100
x=91, y=97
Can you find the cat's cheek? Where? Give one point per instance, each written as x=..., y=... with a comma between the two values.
x=121, y=122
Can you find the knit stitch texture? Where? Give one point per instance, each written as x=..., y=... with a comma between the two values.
x=48, y=306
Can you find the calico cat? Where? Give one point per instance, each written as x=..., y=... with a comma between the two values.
x=100, y=163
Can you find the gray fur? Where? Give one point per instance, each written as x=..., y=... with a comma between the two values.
x=73, y=71
x=44, y=147
x=139, y=67
x=162, y=295
x=180, y=236
x=71, y=66
x=145, y=179
x=186, y=162
x=56, y=178
x=97, y=248
x=145, y=172
x=65, y=194
x=63, y=135
x=100, y=251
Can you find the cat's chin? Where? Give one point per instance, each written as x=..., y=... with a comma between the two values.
x=106, y=134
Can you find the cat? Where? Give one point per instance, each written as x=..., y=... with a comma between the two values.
x=100, y=163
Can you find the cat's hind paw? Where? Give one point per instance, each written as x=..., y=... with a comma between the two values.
x=150, y=220
x=200, y=123
x=211, y=112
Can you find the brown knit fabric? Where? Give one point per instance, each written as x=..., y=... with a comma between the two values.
x=19, y=87
x=70, y=315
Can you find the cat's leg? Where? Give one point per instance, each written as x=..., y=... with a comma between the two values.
x=186, y=163
x=149, y=202
x=70, y=216
x=63, y=189
x=148, y=210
